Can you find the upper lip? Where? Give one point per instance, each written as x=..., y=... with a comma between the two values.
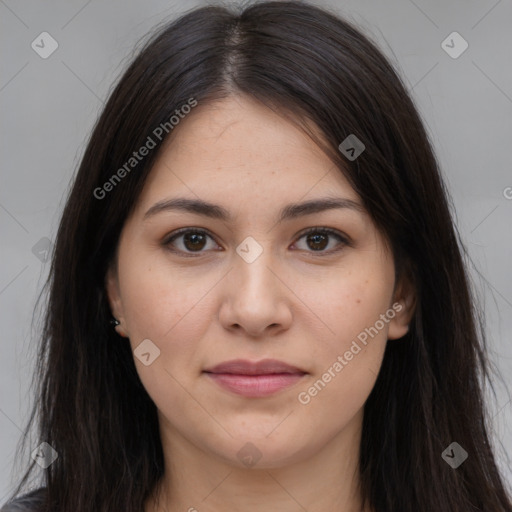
x=244, y=367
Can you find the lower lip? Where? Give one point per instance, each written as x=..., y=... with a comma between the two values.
x=256, y=385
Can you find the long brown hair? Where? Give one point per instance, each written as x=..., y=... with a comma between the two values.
x=313, y=67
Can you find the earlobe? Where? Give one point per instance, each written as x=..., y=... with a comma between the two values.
x=404, y=305
x=114, y=299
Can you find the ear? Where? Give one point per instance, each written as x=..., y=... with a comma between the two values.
x=114, y=299
x=404, y=305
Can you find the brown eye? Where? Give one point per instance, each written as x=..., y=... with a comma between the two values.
x=318, y=239
x=194, y=241
x=188, y=241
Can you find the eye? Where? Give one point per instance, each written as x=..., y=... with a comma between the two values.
x=192, y=240
x=318, y=239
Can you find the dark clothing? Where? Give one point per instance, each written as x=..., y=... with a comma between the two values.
x=31, y=502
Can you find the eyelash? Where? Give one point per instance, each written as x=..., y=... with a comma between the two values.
x=344, y=241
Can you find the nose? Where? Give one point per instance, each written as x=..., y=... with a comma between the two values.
x=256, y=299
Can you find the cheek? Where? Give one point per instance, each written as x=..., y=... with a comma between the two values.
x=159, y=306
x=172, y=309
x=348, y=360
x=353, y=301
x=158, y=303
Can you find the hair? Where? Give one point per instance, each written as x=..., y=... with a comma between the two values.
x=320, y=72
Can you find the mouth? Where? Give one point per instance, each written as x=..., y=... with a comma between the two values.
x=255, y=379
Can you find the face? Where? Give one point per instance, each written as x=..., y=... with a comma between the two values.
x=193, y=289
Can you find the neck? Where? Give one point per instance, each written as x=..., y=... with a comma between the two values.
x=324, y=479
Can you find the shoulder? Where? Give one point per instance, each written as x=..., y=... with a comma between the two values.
x=31, y=502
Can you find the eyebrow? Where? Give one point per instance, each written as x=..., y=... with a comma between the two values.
x=290, y=211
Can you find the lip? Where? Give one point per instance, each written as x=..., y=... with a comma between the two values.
x=263, y=367
x=255, y=379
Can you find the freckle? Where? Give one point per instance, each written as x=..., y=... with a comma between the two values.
x=358, y=301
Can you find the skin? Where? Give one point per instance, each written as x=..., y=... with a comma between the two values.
x=291, y=304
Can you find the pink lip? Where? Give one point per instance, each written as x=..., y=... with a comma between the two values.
x=255, y=379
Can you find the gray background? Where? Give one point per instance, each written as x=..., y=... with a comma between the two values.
x=48, y=107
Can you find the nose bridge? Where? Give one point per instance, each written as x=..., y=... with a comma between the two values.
x=252, y=270
x=255, y=297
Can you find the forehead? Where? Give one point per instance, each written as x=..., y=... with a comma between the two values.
x=237, y=149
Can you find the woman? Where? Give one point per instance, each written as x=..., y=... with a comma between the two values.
x=257, y=296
